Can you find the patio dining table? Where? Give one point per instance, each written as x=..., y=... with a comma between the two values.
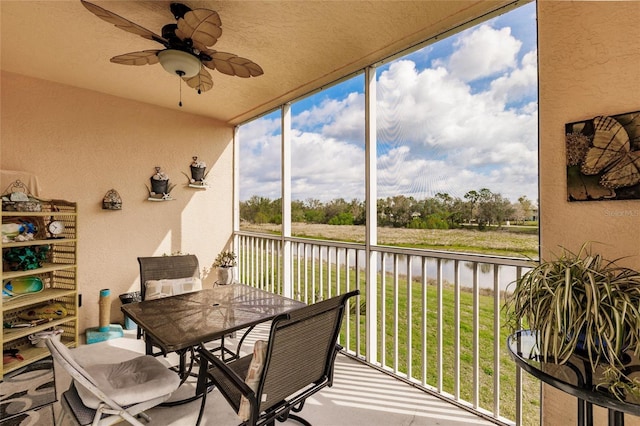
x=180, y=323
x=189, y=319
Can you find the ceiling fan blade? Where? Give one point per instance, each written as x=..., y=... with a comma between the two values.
x=145, y=57
x=122, y=23
x=201, y=81
x=202, y=26
x=230, y=64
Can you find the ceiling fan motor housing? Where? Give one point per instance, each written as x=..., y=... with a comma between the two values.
x=179, y=9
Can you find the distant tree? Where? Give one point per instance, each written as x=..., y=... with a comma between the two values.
x=276, y=219
x=434, y=221
x=256, y=209
x=384, y=212
x=402, y=209
x=314, y=216
x=358, y=211
x=297, y=211
x=443, y=209
x=417, y=223
x=473, y=197
x=526, y=207
x=503, y=209
x=460, y=212
x=345, y=218
x=336, y=207
x=275, y=209
x=493, y=209
x=314, y=211
x=313, y=203
x=259, y=218
x=439, y=212
x=445, y=198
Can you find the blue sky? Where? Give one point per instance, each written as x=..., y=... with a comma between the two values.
x=458, y=115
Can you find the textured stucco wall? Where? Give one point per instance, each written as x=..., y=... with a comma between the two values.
x=589, y=65
x=80, y=144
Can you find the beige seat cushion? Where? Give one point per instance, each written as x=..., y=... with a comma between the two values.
x=130, y=382
x=253, y=376
x=155, y=289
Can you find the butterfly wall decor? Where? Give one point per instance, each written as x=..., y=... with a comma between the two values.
x=603, y=158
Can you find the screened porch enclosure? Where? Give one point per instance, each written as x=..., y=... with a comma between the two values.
x=419, y=140
x=436, y=320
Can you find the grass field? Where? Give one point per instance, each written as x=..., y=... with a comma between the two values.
x=487, y=371
x=517, y=242
x=509, y=241
x=405, y=361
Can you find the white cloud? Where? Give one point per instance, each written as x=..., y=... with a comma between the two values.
x=326, y=168
x=260, y=159
x=517, y=84
x=343, y=118
x=253, y=132
x=436, y=133
x=322, y=167
x=483, y=52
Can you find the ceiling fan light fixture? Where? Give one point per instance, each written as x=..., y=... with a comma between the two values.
x=177, y=62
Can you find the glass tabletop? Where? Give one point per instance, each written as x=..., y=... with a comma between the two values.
x=185, y=320
x=575, y=377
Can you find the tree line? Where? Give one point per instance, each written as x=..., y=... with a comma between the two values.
x=442, y=211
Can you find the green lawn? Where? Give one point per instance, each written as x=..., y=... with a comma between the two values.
x=531, y=404
x=429, y=310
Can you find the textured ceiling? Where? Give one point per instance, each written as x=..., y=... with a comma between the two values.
x=301, y=46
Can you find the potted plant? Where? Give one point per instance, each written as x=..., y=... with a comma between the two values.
x=225, y=262
x=581, y=303
x=160, y=187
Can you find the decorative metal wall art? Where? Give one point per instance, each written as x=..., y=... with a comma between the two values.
x=603, y=158
x=160, y=187
x=198, y=174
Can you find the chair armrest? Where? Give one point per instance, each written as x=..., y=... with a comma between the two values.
x=231, y=375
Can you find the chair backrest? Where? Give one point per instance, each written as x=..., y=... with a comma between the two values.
x=167, y=267
x=302, y=349
x=62, y=355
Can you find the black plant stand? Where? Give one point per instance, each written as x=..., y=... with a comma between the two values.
x=575, y=377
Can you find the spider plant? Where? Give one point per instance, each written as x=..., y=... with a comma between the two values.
x=580, y=302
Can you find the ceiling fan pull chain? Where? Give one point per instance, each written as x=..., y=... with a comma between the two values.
x=199, y=84
x=180, y=79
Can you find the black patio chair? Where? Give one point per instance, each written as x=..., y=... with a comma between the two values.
x=298, y=361
x=159, y=268
x=167, y=267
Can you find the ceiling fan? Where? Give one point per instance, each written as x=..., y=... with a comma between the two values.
x=186, y=44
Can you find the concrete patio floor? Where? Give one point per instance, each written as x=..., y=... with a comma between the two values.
x=360, y=395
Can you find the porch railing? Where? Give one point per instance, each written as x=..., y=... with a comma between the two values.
x=438, y=323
